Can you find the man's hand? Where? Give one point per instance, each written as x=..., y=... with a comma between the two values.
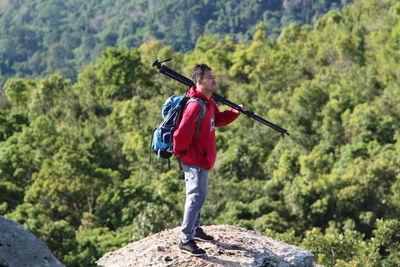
x=243, y=107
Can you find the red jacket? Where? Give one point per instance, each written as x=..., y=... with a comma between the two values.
x=200, y=150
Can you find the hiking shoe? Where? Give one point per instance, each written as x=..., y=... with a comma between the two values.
x=191, y=248
x=201, y=235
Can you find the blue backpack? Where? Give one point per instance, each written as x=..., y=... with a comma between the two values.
x=162, y=143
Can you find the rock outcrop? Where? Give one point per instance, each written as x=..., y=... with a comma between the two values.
x=233, y=246
x=19, y=247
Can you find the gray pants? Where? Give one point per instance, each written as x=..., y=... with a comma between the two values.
x=196, y=180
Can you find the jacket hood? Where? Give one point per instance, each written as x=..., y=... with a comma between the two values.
x=193, y=92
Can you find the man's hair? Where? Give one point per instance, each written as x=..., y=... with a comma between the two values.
x=198, y=71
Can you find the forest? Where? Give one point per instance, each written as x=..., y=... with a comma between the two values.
x=39, y=37
x=75, y=161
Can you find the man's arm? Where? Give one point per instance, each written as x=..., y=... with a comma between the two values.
x=225, y=117
x=184, y=134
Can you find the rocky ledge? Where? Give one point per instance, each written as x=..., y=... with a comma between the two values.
x=233, y=246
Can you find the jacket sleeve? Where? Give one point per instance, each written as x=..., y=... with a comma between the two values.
x=225, y=117
x=184, y=134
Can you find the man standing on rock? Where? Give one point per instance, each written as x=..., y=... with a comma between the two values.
x=196, y=150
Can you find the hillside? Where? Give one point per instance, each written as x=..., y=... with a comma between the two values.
x=39, y=37
x=74, y=155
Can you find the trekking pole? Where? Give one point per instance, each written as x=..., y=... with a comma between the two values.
x=188, y=82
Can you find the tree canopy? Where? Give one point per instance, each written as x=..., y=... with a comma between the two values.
x=39, y=37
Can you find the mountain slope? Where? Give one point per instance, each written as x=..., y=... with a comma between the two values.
x=39, y=37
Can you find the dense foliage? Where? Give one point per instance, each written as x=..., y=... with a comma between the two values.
x=40, y=37
x=74, y=156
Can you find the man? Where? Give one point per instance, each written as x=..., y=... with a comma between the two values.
x=197, y=153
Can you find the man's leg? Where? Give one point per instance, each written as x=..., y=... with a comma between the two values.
x=196, y=179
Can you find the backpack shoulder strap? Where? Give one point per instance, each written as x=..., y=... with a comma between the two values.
x=202, y=113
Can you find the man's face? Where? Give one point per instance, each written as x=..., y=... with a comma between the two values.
x=209, y=81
